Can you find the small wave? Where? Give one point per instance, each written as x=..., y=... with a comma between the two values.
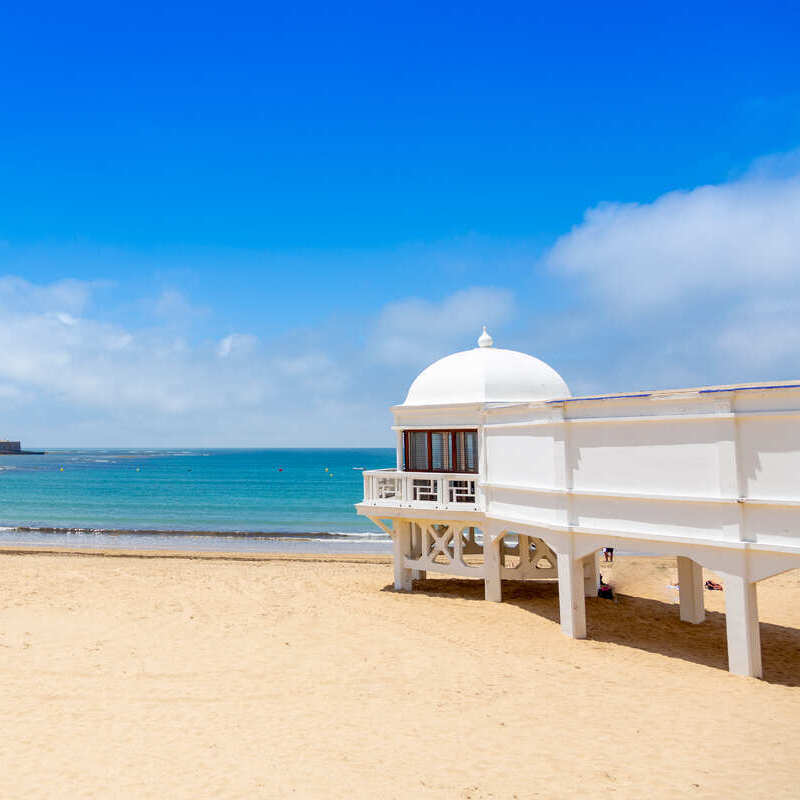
x=315, y=535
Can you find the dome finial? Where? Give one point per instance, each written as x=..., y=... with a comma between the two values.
x=484, y=340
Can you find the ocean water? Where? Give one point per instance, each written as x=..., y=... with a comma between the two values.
x=241, y=500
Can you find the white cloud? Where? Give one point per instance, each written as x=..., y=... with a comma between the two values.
x=9, y=392
x=87, y=380
x=149, y=384
x=65, y=296
x=742, y=236
x=173, y=305
x=697, y=287
x=236, y=344
x=765, y=332
x=417, y=331
x=66, y=319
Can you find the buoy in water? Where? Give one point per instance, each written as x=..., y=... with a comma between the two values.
x=280, y=469
x=326, y=469
x=61, y=469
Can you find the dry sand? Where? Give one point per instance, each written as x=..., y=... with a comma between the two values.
x=157, y=677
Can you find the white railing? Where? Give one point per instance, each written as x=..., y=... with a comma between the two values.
x=389, y=487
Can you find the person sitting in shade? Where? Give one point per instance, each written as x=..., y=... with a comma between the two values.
x=604, y=590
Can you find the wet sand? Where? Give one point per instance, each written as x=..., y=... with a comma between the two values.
x=188, y=675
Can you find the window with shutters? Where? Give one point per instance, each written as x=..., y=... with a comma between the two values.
x=440, y=451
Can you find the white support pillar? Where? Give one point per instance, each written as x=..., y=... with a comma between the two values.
x=591, y=575
x=741, y=622
x=417, y=540
x=401, y=547
x=492, y=586
x=690, y=590
x=571, y=602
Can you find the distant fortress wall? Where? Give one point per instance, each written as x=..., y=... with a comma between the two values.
x=10, y=447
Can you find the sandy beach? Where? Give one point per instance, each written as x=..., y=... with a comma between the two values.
x=152, y=676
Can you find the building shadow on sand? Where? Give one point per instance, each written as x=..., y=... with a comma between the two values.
x=642, y=623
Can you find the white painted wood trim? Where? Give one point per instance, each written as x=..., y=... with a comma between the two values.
x=676, y=417
x=643, y=418
x=677, y=498
x=515, y=523
x=431, y=427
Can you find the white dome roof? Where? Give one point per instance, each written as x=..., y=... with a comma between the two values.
x=486, y=374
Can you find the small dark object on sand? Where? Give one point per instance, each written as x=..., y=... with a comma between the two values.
x=605, y=591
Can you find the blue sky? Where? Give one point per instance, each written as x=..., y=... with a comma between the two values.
x=252, y=224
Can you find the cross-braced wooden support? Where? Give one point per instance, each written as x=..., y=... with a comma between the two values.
x=448, y=547
x=452, y=547
x=526, y=557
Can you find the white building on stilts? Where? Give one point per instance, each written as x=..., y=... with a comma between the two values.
x=502, y=474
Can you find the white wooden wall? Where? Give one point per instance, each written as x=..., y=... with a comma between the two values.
x=722, y=466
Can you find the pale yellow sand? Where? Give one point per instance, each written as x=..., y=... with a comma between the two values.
x=127, y=677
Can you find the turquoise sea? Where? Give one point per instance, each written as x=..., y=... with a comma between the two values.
x=244, y=500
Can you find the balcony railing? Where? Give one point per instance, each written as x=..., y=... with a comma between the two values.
x=388, y=487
